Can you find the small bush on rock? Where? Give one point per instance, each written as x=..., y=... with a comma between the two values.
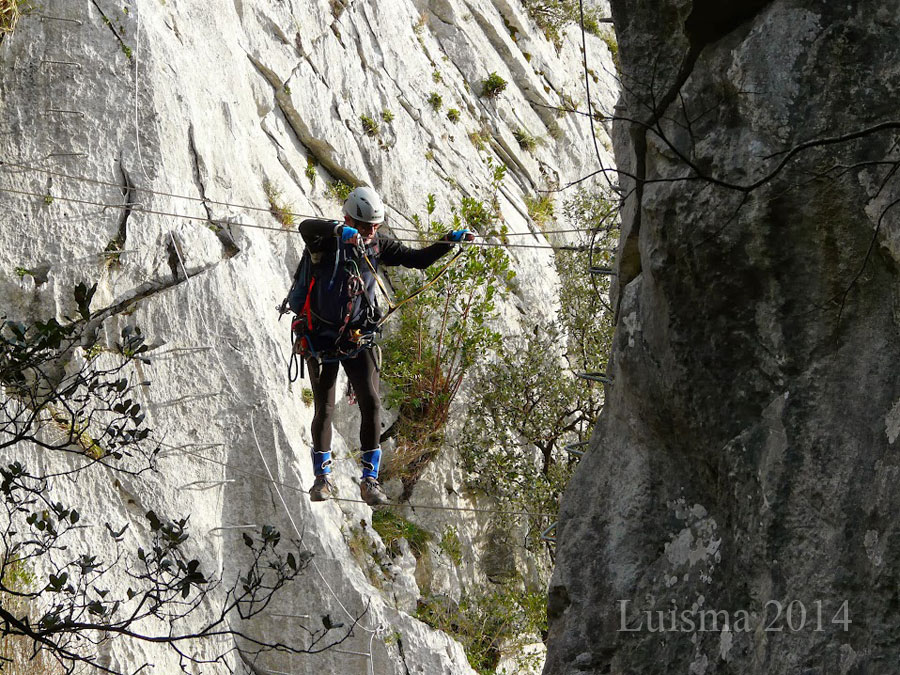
x=492, y=86
x=504, y=616
x=282, y=211
x=392, y=527
x=526, y=140
x=552, y=16
x=369, y=125
x=338, y=190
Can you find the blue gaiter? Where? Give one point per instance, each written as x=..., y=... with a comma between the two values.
x=370, y=463
x=321, y=462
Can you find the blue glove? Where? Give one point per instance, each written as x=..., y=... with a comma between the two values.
x=347, y=233
x=459, y=235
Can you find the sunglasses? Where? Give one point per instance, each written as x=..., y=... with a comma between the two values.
x=367, y=228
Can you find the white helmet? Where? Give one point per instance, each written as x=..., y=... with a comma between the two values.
x=364, y=204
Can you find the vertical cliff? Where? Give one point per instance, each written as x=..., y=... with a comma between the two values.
x=743, y=472
x=145, y=146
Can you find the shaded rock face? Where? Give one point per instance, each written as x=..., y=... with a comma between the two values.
x=150, y=130
x=744, y=469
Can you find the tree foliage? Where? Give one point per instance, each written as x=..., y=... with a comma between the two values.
x=439, y=337
x=552, y=16
x=487, y=623
x=64, y=393
x=531, y=398
x=71, y=580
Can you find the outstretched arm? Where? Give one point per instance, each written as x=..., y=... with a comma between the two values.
x=395, y=253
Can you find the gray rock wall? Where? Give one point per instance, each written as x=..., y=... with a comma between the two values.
x=201, y=103
x=747, y=459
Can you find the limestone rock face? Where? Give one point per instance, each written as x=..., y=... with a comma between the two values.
x=746, y=462
x=151, y=129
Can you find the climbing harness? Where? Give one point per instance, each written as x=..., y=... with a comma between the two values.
x=349, y=341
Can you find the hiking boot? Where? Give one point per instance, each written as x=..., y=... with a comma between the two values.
x=322, y=489
x=371, y=492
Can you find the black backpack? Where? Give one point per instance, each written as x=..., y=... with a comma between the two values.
x=341, y=297
x=342, y=290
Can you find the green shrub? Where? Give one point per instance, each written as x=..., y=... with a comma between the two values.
x=283, y=212
x=369, y=125
x=453, y=115
x=451, y=545
x=591, y=23
x=525, y=140
x=552, y=16
x=612, y=44
x=437, y=339
x=18, y=654
x=365, y=553
x=506, y=616
x=531, y=395
x=569, y=103
x=540, y=209
x=480, y=138
x=435, y=100
x=310, y=170
x=392, y=527
x=492, y=85
x=338, y=190
x=527, y=397
x=387, y=116
x=112, y=253
x=419, y=26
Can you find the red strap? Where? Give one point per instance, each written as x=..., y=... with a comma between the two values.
x=305, y=311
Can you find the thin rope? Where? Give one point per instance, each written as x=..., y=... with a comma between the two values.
x=287, y=510
x=587, y=86
x=409, y=505
x=137, y=208
x=290, y=516
x=159, y=193
x=371, y=640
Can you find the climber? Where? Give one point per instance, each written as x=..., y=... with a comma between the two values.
x=338, y=316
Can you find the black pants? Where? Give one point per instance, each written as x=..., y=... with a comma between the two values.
x=362, y=371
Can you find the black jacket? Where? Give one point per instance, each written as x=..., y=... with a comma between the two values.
x=336, y=264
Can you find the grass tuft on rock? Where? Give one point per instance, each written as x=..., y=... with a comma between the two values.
x=392, y=527
x=10, y=13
